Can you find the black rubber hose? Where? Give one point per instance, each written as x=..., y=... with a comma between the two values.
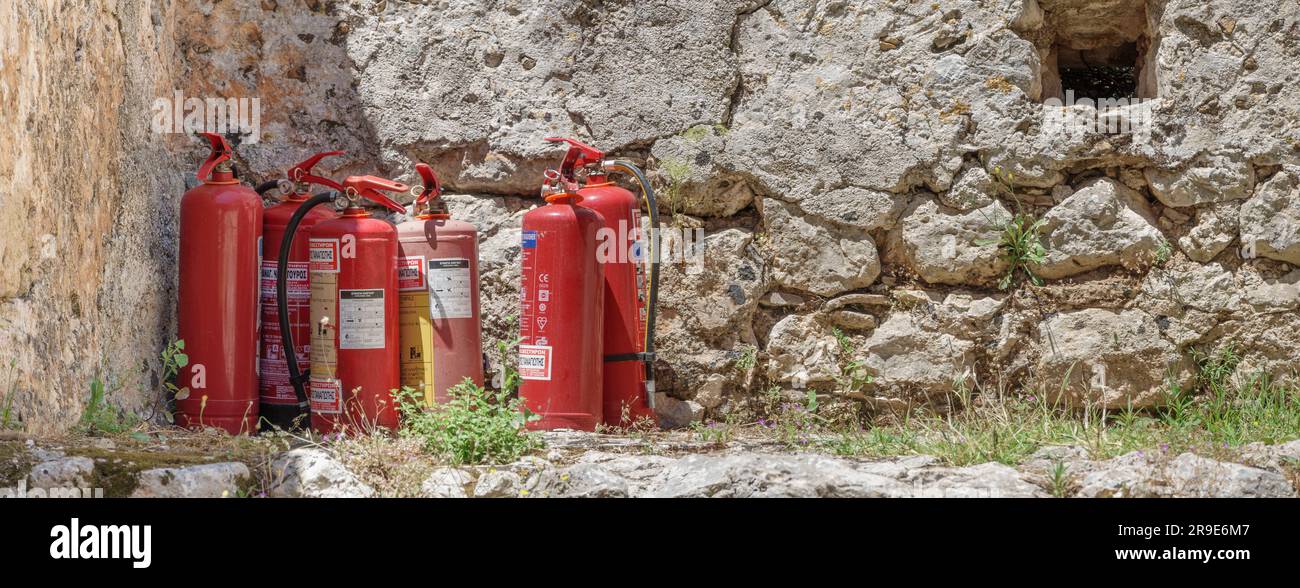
x=266, y=186
x=296, y=377
x=652, y=207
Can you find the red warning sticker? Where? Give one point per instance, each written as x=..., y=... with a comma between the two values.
x=326, y=396
x=410, y=273
x=324, y=255
x=535, y=362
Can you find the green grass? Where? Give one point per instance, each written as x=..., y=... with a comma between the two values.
x=100, y=417
x=1216, y=420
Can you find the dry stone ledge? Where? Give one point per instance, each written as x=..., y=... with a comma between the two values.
x=314, y=473
x=215, y=480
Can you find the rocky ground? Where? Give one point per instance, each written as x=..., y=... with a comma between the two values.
x=615, y=466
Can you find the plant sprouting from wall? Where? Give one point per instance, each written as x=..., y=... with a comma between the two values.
x=1020, y=245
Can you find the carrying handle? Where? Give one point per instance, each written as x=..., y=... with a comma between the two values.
x=220, y=153
x=432, y=187
x=369, y=187
x=302, y=173
x=579, y=155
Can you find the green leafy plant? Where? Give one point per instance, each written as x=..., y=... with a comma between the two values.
x=474, y=426
x=1164, y=251
x=173, y=359
x=101, y=417
x=6, y=416
x=677, y=172
x=1060, y=479
x=748, y=358
x=1021, y=245
x=854, y=375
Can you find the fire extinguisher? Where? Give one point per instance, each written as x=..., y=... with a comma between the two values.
x=280, y=406
x=561, y=312
x=353, y=278
x=220, y=251
x=441, y=337
x=631, y=281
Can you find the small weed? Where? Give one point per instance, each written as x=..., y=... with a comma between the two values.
x=100, y=417
x=854, y=375
x=474, y=425
x=1021, y=245
x=6, y=415
x=715, y=432
x=1164, y=251
x=1060, y=479
x=747, y=360
x=677, y=173
x=173, y=359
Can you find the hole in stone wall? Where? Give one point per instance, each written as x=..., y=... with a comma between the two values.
x=1097, y=49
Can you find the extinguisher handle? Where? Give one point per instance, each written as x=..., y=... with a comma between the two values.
x=220, y=152
x=432, y=187
x=579, y=155
x=369, y=187
x=303, y=171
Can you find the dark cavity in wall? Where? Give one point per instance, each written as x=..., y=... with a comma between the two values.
x=1097, y=49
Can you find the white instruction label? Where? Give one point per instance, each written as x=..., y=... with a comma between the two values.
x=361, y=319
x=451, y=289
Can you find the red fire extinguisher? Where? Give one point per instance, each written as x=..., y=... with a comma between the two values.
x=562, y=309
x=353, y=277
x=220, y=251
x=439, y=296
x=630, y=290
x=280, y=406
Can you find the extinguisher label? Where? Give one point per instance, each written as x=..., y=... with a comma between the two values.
x=410, y=273
x=361, y=319
x=529, y=240
x=326, y=396
x=535, y=362
x=324, y=255
x=451, y=289
x=275, y=386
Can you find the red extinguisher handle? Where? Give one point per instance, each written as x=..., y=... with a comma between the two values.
x=220, y=152
x=303, y=171
x=579, y=155
x=369, y=187
x=432, y=187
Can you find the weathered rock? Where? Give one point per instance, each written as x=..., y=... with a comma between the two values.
x=801, y=350
x=1137, y=475
x=314, y=473
x=912, y=361
x=989, y=480
x=1215, y=229
x=1108, y=358
x=1270, y=221
x=214, y=480
x=1278, y=458
x=498, y=484
x=63, y=472
x=815, y=257
x=446, y=483
x=674, y=413
x=1214, y=177
x=974, y=189
x=944, y=246
x=771, y=476
x=1103, y=223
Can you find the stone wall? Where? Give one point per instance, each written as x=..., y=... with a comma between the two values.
x=852, y=163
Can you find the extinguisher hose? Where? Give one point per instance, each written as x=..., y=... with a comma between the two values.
x=296, y=377
x=652, y=260
x=266, y=186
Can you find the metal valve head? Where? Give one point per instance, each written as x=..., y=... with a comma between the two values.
x=220, y=154
x=579, y=155
x=432, y=187
x=370, y=187
x=302, y=172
